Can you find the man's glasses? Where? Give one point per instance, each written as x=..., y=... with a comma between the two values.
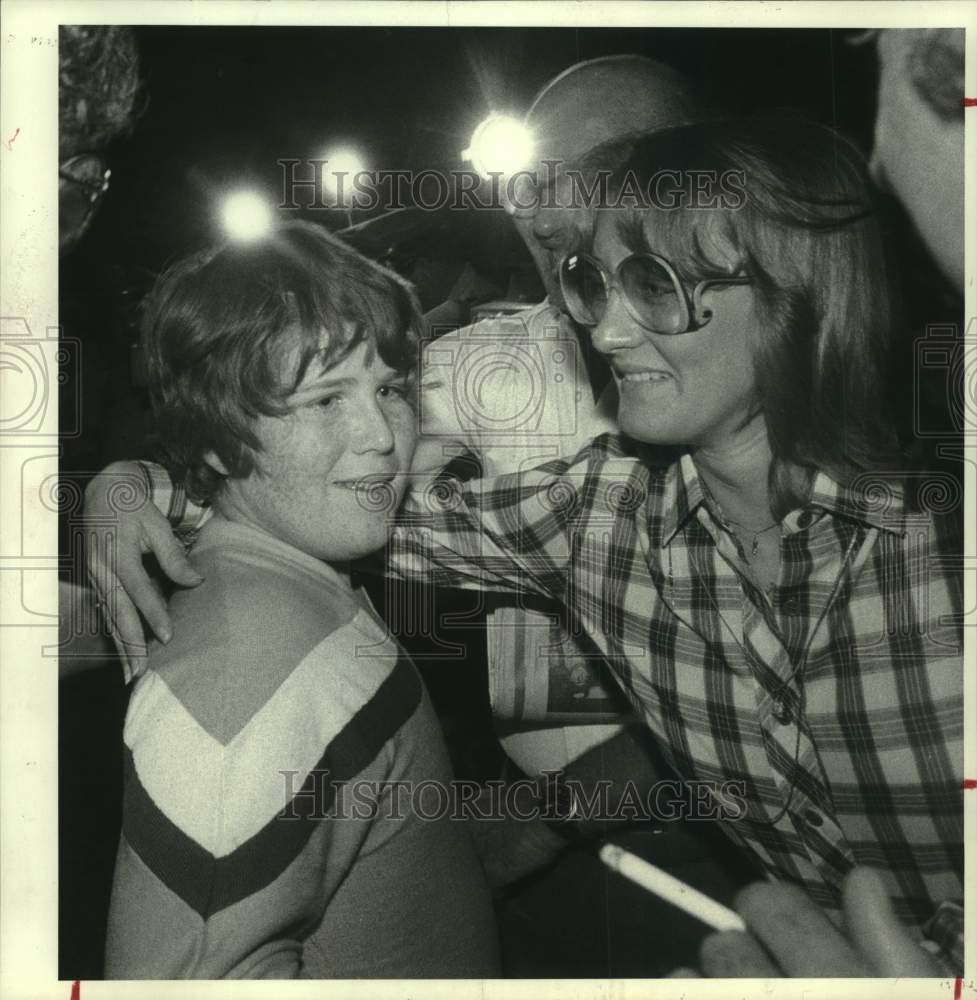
x=82, y=181
x=653, y=294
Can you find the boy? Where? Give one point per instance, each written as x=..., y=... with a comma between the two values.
x=266, y=832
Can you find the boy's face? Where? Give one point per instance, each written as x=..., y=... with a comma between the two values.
x=330, y=470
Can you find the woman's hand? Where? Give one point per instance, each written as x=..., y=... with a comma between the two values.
x=122, y=525
x=789, y=935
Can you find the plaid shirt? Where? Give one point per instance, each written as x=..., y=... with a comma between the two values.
x=826, y=713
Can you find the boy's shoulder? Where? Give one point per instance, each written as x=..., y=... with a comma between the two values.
x=270, y=673
x=263, y=629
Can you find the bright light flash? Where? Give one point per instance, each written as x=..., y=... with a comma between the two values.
x=246, y=216
x=500, y=144
x=338, y=173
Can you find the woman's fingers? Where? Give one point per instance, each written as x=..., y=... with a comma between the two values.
x=790, y=935
x=797, y=933
x=124, y=626
x=735, y=955
x=158, y=538
x=878, y=933
x=120, y=536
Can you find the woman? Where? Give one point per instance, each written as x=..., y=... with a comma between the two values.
x=769, y=592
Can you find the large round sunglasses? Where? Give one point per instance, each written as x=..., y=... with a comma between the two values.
x=653, y=294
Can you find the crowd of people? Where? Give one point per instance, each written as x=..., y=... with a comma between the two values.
x=697, y=511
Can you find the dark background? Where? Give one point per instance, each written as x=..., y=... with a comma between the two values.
x=222, y=106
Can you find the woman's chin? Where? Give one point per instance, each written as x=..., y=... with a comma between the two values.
x=648, y=432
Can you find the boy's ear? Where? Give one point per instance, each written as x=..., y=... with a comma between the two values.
x=215, y=463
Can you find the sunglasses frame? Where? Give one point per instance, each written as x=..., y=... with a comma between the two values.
x=691, y=319
x=94, y=189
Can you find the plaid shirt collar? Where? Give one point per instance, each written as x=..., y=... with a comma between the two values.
x=869, y=499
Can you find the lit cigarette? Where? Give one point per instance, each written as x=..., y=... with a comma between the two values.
x=670, y=889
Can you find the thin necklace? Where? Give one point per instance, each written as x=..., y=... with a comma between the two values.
x=756, y=534
x=726, y=521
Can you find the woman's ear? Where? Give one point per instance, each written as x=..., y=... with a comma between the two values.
x=215, y=463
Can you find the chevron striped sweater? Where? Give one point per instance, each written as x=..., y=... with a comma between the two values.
x=274, y=753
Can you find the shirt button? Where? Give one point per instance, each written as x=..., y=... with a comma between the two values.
x=782, y=712
x=792, y=605
x=812, y=817
x=804, y=519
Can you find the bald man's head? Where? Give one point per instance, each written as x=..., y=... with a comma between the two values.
x=589, y=104
x=603, y=99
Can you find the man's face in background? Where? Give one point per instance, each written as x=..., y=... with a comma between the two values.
x=557, y=224
x=588, y=105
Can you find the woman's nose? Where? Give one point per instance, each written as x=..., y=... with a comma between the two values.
x=617, y=328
